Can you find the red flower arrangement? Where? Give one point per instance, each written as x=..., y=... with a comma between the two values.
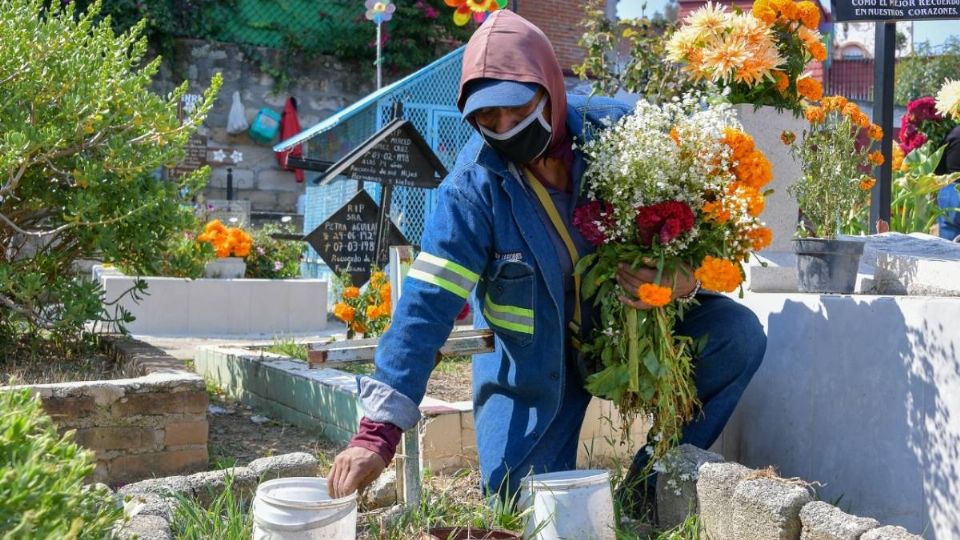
x=666, y=221
x=922, y=123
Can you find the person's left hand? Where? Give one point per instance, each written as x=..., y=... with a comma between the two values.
x=682, y=283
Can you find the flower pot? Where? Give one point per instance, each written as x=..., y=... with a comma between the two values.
x=225, y=268
x=827, y=266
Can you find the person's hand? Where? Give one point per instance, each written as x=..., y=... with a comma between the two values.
x=882, y=226
x=682, y=283
x=353, y=469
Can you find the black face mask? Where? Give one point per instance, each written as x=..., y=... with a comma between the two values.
x=526, y=141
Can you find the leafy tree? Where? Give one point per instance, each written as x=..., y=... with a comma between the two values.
x=81, y=140
x=922, y=73
x=629, y=54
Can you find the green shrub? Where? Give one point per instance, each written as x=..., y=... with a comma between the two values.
x=271, y=258
x=922, y=72
x=82, y=138
x=41, y=478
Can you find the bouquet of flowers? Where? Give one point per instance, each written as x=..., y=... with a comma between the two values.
x=226, y=241
x=759, y=57
x=836, y=165
x=366, y=311
x=924, y=121
x=677, y=187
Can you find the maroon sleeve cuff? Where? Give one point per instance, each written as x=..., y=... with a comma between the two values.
x=381, y=438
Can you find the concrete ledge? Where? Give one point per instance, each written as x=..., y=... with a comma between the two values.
x=209, y=307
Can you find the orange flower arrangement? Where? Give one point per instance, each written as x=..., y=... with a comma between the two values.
x=760, y=56
x=833, y=184
x=366, y=310
x=226, y=241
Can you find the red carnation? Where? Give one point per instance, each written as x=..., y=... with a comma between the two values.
x=666, y=220
x=589, y=218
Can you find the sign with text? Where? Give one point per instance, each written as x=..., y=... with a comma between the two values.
x=195, y=156
x=894, y=10
x=347, y=240
x=397, y=155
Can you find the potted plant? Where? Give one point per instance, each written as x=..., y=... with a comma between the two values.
x=231, y=245
x=835, y=156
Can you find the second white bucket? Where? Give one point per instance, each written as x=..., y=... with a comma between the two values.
x=300, y=508
x=569, y=505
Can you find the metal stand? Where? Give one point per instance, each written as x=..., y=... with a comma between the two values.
x=883, y=70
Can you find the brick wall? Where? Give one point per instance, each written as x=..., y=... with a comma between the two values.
x=559, y=20
x=152, y=425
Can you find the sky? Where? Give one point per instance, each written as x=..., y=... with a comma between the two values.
x=936, y=32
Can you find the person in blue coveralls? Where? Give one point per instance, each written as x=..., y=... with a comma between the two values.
x=948, y=225
x=491, y=240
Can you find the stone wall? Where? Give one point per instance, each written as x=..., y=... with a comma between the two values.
x=152, y=424
x=321, y=86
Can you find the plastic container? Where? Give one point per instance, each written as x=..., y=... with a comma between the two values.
x=265, y=126
x=569, y=505
x=301, y=509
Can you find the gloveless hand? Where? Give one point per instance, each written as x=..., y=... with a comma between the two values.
x=353, y=469
x=683, y=283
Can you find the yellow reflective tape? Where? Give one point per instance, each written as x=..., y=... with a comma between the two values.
x=450, y=265
x=523, y=312
x=439, y=282
x=516, y=327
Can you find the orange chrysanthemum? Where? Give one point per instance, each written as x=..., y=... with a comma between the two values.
x=781, y=80
x=654, y=295
x=720, y=275
x=351, y=292
x=760, y=238
x=809, y=14
x=875, y=132
x=834, y=103
x=867, y=183
x=861, y=119
x=739, y=142
x=818, y=52
x=876, y=157
x=344, y=312
x=754, y=170
x=814, y=114
x=809, y=88
x=764, y=11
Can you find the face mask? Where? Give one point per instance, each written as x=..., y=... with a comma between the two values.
x=526, y=141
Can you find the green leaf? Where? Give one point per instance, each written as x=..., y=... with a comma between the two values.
x=609, y=383
x=651, y=363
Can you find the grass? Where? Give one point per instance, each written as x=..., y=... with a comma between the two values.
x=227, y=517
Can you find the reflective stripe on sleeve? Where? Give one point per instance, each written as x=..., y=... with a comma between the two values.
x=443, y=273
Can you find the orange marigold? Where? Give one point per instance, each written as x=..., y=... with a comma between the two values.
x=897, y=158
x=344, y=312
x=763, y=11
x=377, y=278
x=760, y=238
x=875, y=132
x=809, y=14
x=739, y=142
x=787, y=137
x=876, y=157
x=654, y=295
x=818, y=52
x=358, y=327
x=834, y=103
x=715, y=211
x=809, y=88
x=861, y=119
x=850, y=109
x=385, y=292
x=815, y=115
x=373, y=312
x=754, y=170
x=720, y=275
x=781, y=80
x=867, y=183
x=351, y=292
x=675, y=135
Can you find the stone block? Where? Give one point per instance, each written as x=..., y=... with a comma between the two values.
x=382, y=492
x=146, y=528
x=285, y=466
x=890, y=533
x=171, y=461
x=184, y=433
x=163, y=487
x=63, y=410
x=823, y=521
x=120, y=438
x=277, y=179
x=206, y=486
x=209, y=300
x=769, y=508
x=166, y=300
x=309, y=312
x=677, y=483
x=154, y=403
x=151, y=504
x=715, y=486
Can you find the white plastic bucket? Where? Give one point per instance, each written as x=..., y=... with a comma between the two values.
x=301, y=509
x=568, y=505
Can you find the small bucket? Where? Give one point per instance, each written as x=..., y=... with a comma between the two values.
x=301, y=509
x=568, y=505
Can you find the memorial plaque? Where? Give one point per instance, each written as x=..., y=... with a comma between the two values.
x=397, y=155
x=194, y=158
x=894, y=10
x=347, y=240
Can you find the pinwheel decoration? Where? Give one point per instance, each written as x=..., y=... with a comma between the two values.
x=478, y=9
x=379, y=11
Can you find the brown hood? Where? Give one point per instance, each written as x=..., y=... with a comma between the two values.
x=508, y=47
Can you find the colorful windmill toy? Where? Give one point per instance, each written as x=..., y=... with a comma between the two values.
x=379, y=11
x=478, y=9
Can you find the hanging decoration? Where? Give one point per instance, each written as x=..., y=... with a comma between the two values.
x=477, y=9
